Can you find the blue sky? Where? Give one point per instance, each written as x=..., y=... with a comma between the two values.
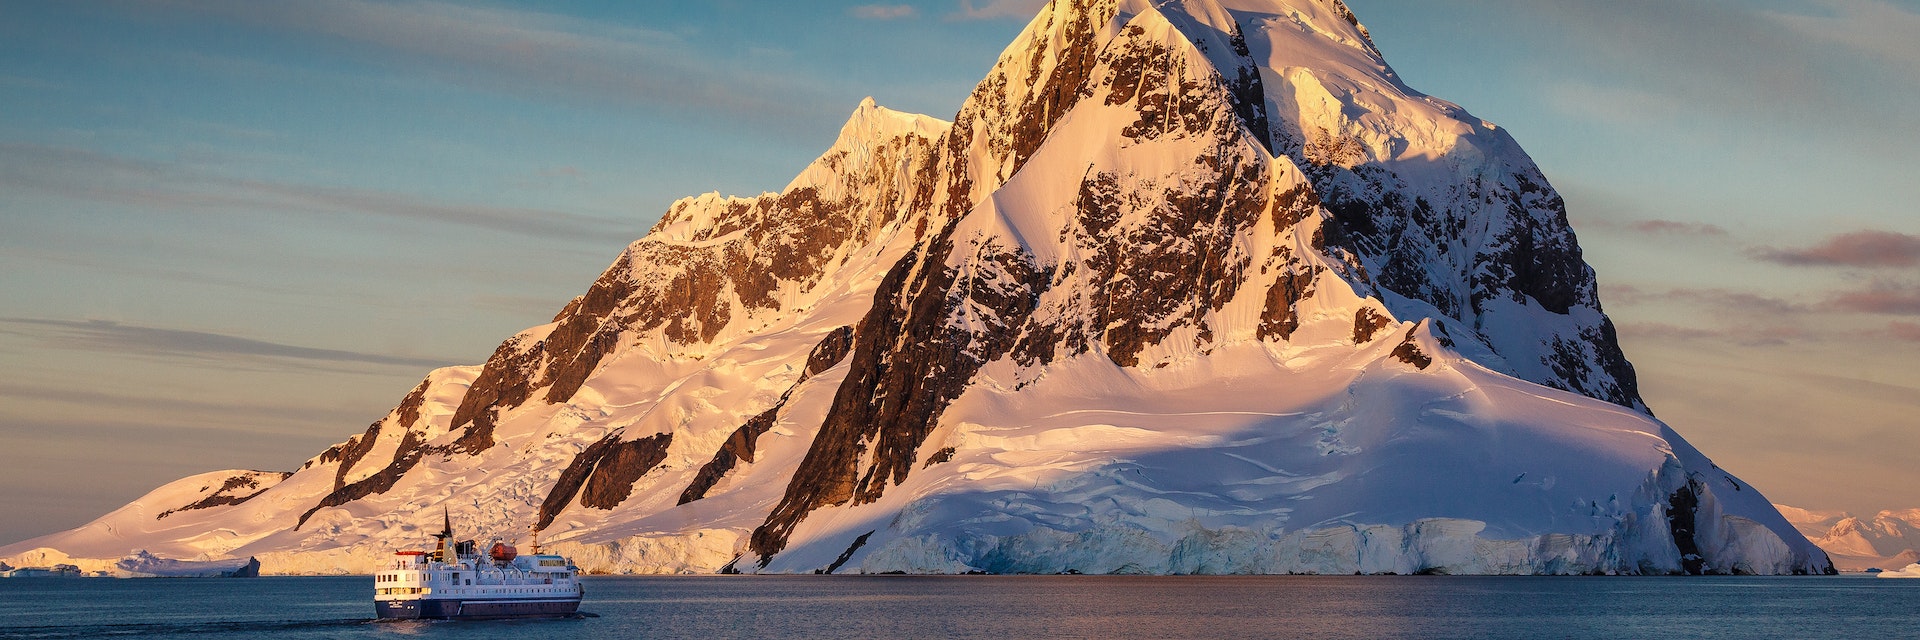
x=233, y=233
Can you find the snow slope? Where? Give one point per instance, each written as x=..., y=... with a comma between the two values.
x=1187, y=286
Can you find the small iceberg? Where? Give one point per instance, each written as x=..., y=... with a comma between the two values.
x=146, y=565
x=1912, y=571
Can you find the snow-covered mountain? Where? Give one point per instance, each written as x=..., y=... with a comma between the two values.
x=1890, y=540
x=1187, y=286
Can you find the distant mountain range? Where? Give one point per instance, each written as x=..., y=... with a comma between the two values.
x=1186, y=286
x=1890, y=540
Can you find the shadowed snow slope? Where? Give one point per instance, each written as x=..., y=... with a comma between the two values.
x=1185, y=287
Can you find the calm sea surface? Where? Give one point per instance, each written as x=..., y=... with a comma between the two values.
x=1005, y=608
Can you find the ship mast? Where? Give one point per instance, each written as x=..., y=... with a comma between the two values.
x=446, y=533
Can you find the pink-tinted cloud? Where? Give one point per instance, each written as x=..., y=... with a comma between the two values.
x=100, y=335
x=1674, y=228
x=525, y=52
x=1863, y=249
x=1741, y=302
x=86, y=175
x=1662, y=330
x=996, y=9
x=883, y=11
x=1883, y=298
x=1617, y=222
x=1747, y=335
x=1904, y=331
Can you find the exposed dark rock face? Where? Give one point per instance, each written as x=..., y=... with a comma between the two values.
x=404, y=458
x=1417, y=246
x=505, y=381
x=1347, y=14
x=731, y=258
x=568, y=485
x=608, y=468
x=908, y=362
x=1055, y=94
x=740, y=445
x=350, y=452
x=236, y=490
x=943, y=455
x=1278, y=318
x=1409, y=351
x=1146, y=74
x=1682, y=509
x=1144, y=280
x=848, y=554
x=831, y=350
x=1367, y=323
x=1573, y=361
x=1137, y=282
x=750, y=249
x=622, y=466
x=1010, y=112
x=408, y=413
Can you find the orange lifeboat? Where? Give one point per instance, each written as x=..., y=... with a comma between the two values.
x=503, y=552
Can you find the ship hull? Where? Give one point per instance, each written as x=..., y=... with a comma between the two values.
x=475, y=608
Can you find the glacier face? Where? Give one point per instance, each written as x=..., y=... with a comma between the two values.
x=1191, y=286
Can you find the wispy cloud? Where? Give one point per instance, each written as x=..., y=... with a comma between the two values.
x=1618, y=106
x=1745, y=335
x=1886, y=298
x=1731, y=61
x=1883, y=297
x=997, y=9
x=1863, y=249
x=1742, y=302
x=98, y=177
x=1869, y=26
x=1675, y=228
x=1907, y=331
x=1611, y=211
x=543, y=55
x=178, y=407
x=883, y=11
x=100, y=335
x=1668, y=331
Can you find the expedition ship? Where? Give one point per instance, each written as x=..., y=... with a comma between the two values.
x=454, y=581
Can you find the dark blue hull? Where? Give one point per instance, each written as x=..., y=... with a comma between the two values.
x=478, y=609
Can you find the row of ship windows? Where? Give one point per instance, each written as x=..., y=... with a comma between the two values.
x=394, y=577
x=394, y=591
x=399, y=591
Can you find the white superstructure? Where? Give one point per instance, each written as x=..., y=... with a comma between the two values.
x=455, y=581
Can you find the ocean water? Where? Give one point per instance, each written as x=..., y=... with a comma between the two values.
x=1005, y=608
